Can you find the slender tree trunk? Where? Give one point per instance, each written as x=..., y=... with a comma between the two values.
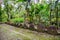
x=56, y=6
x=8, y=12
x=50, y=16
x=7, y=9
x=0, y=13
x=57, y=16
x=50, y=10
x=27, y=9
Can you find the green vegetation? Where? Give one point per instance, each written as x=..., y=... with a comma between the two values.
x=37, y=15
x=18, y=20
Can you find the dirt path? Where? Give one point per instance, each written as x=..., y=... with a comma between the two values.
x=8, y=32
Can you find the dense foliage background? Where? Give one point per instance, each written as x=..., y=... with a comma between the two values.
x=19, y=11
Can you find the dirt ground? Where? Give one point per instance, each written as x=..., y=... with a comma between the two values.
x=8, y=32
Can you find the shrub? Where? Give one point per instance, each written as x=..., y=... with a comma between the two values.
x=17, y=20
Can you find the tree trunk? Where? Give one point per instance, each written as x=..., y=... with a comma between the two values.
x=7, y=9
x=0, y=13
x=50, y=15
x=56, y=6
x=8, y=13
